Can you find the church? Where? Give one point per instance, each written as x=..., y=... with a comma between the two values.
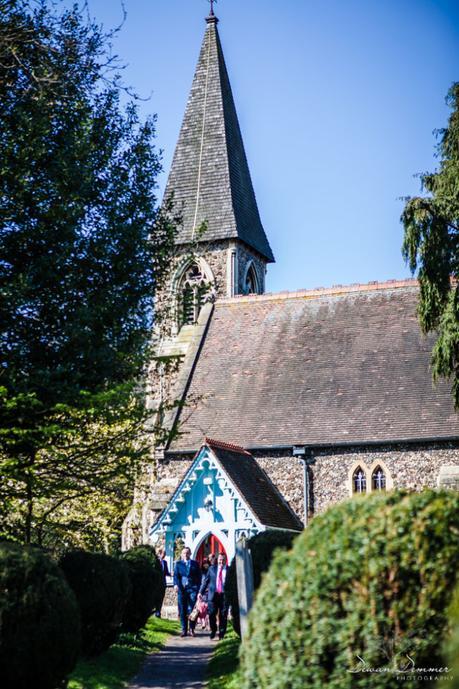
x=279, y=405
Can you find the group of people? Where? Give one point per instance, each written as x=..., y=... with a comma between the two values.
x=194, y=584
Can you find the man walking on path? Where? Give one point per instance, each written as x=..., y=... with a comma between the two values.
x=214, y=581
x=187, y=578
x=165, y=573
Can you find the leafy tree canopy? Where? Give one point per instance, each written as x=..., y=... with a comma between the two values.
x=83, y=247
x=431, y=246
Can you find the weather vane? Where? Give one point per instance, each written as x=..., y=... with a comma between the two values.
x=212, y=7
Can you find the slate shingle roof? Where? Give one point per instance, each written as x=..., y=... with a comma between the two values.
x=250, y=480
x=209, y=177
x=346, y=365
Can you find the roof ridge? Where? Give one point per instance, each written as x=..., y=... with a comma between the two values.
x=318, y=291
x=226, y=446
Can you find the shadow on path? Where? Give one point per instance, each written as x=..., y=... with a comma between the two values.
x=180, y=665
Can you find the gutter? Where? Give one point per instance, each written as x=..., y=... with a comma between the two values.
x=338, y=445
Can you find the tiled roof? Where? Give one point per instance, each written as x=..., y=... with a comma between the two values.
x=209, y=177
x=323, y=367
x=260, y=495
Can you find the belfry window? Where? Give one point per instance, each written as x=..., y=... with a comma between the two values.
x=359, y=481
x=251, y=282
x=378, y=479
x=192, y=294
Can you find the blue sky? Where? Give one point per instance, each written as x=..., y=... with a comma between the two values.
x=337, y=101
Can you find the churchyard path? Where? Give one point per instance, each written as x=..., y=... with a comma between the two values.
x=181, y=664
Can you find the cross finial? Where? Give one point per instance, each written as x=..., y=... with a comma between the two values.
x=212, y=19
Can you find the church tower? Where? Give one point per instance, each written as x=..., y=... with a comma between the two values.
x=211, y=188
x=221, y=251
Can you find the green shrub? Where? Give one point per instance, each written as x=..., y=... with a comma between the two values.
x=262, y=547
x=102, y=588
x=39, y=620
x=147, y=587
x=370, y=579
x=452, y=651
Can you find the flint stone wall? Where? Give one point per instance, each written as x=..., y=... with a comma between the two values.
x=410, y=466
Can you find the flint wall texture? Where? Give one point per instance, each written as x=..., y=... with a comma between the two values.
x=413, y=468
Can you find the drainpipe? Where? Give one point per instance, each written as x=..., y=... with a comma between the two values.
x=299, y=451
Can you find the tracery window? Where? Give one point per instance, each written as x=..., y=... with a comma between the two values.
x=359, y=481
x=378, y=479
x=192, y=294
x=251, y=282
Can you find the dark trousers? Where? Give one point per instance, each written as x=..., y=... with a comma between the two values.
x=186, y=602
x=161, y=600
x=217, y=606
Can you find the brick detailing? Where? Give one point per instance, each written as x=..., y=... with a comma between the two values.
x=225, y=446
x=322, y=291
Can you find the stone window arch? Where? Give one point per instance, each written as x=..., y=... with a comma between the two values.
x=194, y=288
x=381, y=478
x=359, y=480
x=378, y=479
x=251, y=282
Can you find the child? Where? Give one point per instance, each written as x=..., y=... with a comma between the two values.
x=203, y=616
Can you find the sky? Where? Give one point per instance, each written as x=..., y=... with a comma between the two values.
x=337, y=101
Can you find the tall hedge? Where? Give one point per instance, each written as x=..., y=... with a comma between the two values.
x=39, y=620
x=262, y=548
x=102, y=588
x=147, y=587
x=452, y=650
x=366, y=586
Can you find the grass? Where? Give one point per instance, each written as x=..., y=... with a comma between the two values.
x=222, y=670
x=114, y=668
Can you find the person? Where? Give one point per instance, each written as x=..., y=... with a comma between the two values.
x=214, y=584
x=187, y=578
x=203, y=615
x=165, y=573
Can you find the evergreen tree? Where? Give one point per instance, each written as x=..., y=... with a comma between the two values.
x=431, y=245
x=83, y=247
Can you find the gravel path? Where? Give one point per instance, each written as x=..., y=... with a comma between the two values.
x=180, y=665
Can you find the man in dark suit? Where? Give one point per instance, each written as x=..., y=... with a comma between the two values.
x=187, y=579
x=214, y=583
x=165, y=572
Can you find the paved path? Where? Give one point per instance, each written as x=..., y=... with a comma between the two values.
x=180, y=665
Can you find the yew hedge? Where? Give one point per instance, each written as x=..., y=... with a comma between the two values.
x=39, y=620
x=362, y=595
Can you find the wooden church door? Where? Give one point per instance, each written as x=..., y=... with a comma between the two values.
x=211, y=545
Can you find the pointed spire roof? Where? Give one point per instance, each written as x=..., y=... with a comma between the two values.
x=209, y=177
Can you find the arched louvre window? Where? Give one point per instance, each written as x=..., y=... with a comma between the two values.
x=251, y=282
x=378, y=479
x=193, y=290
x=359, y=481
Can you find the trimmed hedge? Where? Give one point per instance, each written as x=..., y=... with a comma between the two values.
x=147, y=587
x=39, y=620
x=262, y=547
x=370, y=579
x=102, y=588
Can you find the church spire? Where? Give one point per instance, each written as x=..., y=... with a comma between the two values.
x=209, y=178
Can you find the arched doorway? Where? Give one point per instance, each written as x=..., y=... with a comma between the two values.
x=211, y=545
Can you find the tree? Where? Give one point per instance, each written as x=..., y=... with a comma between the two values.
x=431, y=224
x=83, y=248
